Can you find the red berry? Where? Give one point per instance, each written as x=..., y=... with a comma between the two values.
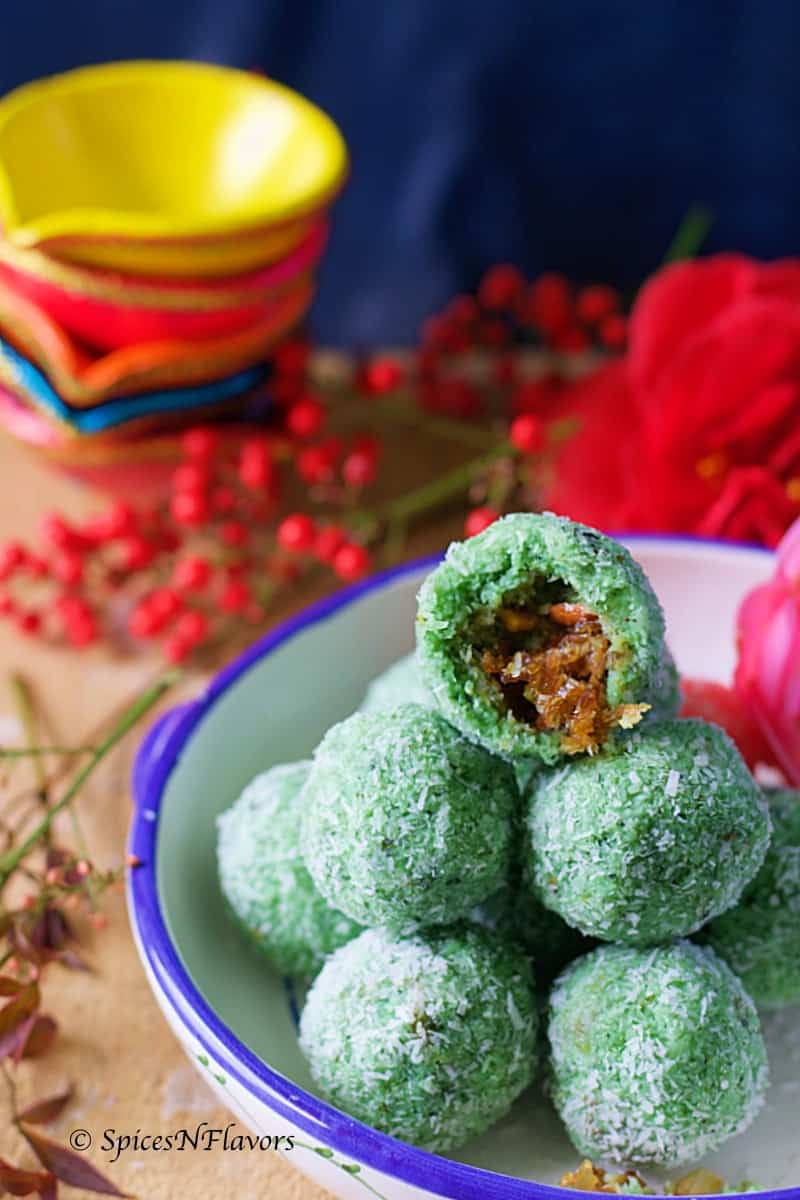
x=192, y=626
x=381, y=375
x=317, y=464
x=143, y=622
x=463, y=310
x=37, y=567
x=7, y=605
x=350, y=561
x=359, y=468
x=256, y=469
x=223, y=500
x=164, y=603
x=71, y=607
x=56, y=531
x=500, y=287
x=479, y=519
x=119, y=519
x=201, y=442
x=305, y=417
x=427, y=362
x=286, y=388
x=439, y=333
x=82, y=632
x=137, y=553
x=94, y=530
x=234, y=533
x=68, y=568
x=177, y=649
x=255, y=444
x=256, y=474
x=167, y=540
x=495, y=334
x=367, y=443
x=254, y=613
x=192, y=573
x=328, y=541
x=296, y=532
x=12, y=557
x=292, y=357
x=191, y=477
x=189, y=508
x=613, y=332
x=595, y=302
x=29, y=623
x=548, y=305
x=235, y=596
x=533, y=395
x=571, y=340
x=527, y=433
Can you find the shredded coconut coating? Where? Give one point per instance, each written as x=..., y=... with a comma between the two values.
x=400, y=683
x=649, y=840
x=462, y=597
x=429, y=1038
x=405, y=822
x=656, y=1054
x=264, y=879
x=760, y=937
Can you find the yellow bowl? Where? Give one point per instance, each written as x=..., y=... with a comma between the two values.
x=163, y=160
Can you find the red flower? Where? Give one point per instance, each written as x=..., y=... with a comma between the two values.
x=697, y=427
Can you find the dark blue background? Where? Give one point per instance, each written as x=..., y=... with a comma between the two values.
x=567, y=134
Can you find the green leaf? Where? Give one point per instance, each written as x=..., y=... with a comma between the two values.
x=690, y=234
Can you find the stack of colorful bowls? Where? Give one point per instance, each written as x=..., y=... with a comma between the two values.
x=162, y=223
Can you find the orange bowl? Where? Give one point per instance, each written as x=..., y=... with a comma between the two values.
x=84, y=379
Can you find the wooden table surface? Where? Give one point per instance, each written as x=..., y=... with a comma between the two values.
x=114, y=1045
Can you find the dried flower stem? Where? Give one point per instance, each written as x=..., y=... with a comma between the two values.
x=24, y=703
x=11, y=860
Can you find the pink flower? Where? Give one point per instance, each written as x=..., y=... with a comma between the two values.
x=768, y=670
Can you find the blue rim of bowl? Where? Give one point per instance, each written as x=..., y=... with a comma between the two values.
x=155, y=761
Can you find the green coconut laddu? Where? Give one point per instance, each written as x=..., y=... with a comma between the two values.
x=656, y=1054
x=263, y=878
x=649, y=840
x=760, y=936
x=429, y=1037
x=405, y=822
x=541, y=637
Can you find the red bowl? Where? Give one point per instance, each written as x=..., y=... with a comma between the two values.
x=106, y=324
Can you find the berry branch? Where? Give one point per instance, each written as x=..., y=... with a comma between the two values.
x=251, y=513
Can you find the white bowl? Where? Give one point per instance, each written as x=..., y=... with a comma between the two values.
x=237, y=1019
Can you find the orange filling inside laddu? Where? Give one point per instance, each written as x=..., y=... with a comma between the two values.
x=551, y=664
